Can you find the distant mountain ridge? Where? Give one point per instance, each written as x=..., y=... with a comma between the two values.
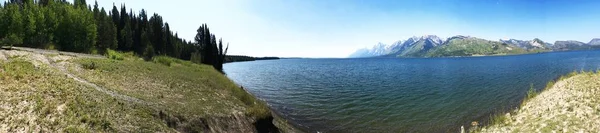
x=434, y=46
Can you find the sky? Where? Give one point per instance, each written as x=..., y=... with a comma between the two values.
x=336, y=28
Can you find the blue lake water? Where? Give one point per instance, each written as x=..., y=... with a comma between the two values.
x=401, y=94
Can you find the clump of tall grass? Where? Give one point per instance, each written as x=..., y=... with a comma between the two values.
x=111, y=54
x=89, y=65
x=115, y=55
x=498, y=119
x=531, y=92
x=162, y=60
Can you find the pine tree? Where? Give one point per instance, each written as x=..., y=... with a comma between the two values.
x=80, y=4
x=221, y=55
x=169, y=41
x=13, y=20
x=79, y=27
x=126, y=37
x=156, y=24
x=107, y=38
x=29, y=13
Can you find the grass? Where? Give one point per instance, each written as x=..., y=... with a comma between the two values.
x=498, y=119
x=38, y=99
x=180, y=87
x=116, y=55
x=163, y=60
x=182, y=96
x=89, y=65
x=531, y=93
x=473, y=46
x=580, y=94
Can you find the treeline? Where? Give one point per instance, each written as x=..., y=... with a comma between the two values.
x=239, y=58
x=79, y=27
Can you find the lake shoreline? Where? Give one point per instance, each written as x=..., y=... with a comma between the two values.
x=279, y=120
x=403, y=95
x=479, y=56
x=566, y=105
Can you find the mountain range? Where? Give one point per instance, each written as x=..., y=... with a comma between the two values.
x=433, y=46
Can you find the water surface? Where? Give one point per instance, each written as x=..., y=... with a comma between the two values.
x=401, y=95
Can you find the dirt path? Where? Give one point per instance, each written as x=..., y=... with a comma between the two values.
x=49, y=52
x=40, y=56
x=64, y=70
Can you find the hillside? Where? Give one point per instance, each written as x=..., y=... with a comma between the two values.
x=569, y=105
x=575, y=45
x=470, y=46
x=50, y=91
x=416, y=46
x=433, y=46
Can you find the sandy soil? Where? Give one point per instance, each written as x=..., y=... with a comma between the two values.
x=570, y=105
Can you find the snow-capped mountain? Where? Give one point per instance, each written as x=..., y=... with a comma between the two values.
x=527, y=45
x=415, y=46
x=594, y=42
x=377, y=50
x=431, y=45
x=411, y=46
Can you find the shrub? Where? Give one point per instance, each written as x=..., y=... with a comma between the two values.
x=162, y=60
x=148, y=53
x=51, y=46
x=11, y=40
x=498, y=119
x=90, y=65
x=531, y=92
x=111, y=54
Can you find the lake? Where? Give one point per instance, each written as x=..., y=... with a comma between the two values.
x=401, y=94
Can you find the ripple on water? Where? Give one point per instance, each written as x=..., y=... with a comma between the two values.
x=401, y=95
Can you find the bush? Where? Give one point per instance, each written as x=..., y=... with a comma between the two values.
x=163, y=60
x=148, y=53
x=89, y=65
x=111, y=54
x=11, y=40
x=498, y=119
x=531, y=92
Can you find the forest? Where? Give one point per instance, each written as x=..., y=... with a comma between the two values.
x=83, y=28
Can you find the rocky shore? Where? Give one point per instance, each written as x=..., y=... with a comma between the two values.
x=572, y=104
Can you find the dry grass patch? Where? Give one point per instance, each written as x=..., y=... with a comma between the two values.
x=40, y=99
x=571, y=104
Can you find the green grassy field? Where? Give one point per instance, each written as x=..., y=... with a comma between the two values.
x=170, y=95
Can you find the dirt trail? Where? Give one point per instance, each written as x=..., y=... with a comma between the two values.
x=85, y=82
x=39, y=56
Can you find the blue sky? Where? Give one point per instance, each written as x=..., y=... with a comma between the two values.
x=336, y=28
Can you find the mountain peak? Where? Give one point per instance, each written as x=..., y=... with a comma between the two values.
x=458, y=37
x=420, y=46
x=595, y=41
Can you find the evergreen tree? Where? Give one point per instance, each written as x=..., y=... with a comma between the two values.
x=148, y=50
x=80, y=4
x=210, y=53
x=126, y=37
x=169, y=41
x=107, y=34
x=96, y=11
x=13, y=20
x=78, y=27
x=77, y=30
x=156, y=24
x=221, y=55
x=30, y=32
